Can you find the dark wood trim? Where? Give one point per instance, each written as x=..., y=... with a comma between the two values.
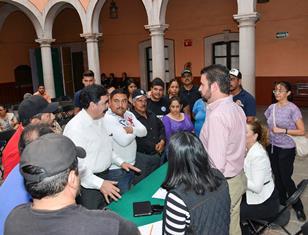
x=12, y=93
x=265, y=86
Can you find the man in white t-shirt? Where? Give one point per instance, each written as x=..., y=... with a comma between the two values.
x=87, y=130
x=124, y=127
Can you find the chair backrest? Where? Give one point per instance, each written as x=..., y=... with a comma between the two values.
x=6, y=135
x=292, y=200
x=305, y=228
x=295, y=196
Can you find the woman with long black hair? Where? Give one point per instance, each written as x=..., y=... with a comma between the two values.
x=198, y=200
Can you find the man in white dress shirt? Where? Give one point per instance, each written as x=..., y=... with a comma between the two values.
x=124, y=127
x=87, y=130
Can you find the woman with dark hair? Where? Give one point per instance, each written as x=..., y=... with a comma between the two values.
x=173, y=91
x=198, y=199
x=176, y=121
x=130, y=87
x=124, y=79
x=261, y=200
x=284, y=118
x=7, y=120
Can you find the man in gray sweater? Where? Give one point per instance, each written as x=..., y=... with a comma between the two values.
x=49, y=166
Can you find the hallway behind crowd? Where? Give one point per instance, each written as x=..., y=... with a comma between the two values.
x=228, y=162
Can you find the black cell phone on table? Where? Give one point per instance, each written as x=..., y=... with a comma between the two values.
x=157, y=209
x=142, y=208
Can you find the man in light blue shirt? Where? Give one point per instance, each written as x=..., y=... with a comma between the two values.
x=13, y=191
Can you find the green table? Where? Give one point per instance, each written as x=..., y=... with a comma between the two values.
x=143, y=191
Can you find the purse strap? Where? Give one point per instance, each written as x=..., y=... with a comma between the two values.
x=274, y=118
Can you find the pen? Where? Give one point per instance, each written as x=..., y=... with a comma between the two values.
x=151, y=229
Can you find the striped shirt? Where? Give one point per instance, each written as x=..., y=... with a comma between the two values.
x=176, y=217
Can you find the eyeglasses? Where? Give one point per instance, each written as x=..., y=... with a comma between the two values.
x=278, y=91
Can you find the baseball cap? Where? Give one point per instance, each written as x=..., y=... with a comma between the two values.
x=138, y=93
x=235, y=73
x=33, y=105
x=53, y=153
x=186, y=71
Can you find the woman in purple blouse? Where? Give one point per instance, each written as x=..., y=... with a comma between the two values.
x=288, y=121
x=175, y=121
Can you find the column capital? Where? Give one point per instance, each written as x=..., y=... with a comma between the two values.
x=247, y=19
x=156, y=29
x=91, y=37
x=45, y=42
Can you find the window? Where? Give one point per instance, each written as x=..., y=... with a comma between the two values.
x=226, y=53
x=150, y=67
x=145, y=59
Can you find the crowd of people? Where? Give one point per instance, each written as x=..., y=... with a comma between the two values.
x=222, y=167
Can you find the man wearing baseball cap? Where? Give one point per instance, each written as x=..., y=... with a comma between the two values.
x=241, y=96
x=188, y=90
x=34, y=110
x=12, y=191
x=151, y=146
x=49, y=166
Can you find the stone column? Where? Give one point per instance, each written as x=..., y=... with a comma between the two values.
x=47, y=65
x=93, y=54
x=247, y=23
x=158, y=49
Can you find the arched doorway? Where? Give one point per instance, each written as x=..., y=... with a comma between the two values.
x=71, y=49
x=14, y=51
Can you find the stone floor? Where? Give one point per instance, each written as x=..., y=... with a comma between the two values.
x=300, y=172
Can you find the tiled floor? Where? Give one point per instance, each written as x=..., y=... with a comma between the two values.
x=300, y=172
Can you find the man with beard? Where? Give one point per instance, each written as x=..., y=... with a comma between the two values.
x=241, y=96
x=224, y=135
x=42, y=92
x=49, y=166
x=87, y=130
x=33, y=110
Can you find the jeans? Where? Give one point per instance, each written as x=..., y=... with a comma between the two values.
x=124, y=178
x=92, y=199
x=147, y=164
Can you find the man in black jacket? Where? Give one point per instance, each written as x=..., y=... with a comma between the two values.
x=150, y=147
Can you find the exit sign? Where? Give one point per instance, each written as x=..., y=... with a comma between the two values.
x=282, y=34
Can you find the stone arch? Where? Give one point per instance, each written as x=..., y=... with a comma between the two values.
x=156, y=11
x=163, y=9
x=93, y=14
x=28, y=9
x=54, y=7
x=5, y=11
